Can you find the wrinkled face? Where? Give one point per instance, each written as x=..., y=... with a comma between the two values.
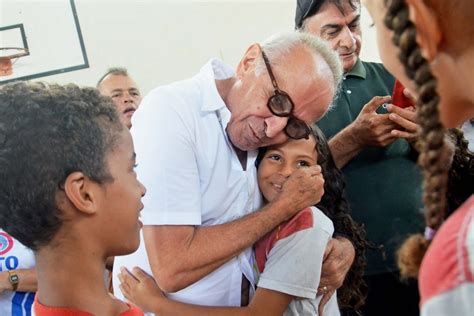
x=280, y=161
x=342, y=31
x=120, y=200
x=124, y=93
x=307, y=80
x=387, y=50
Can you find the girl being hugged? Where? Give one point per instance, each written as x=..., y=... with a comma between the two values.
x=290, y=257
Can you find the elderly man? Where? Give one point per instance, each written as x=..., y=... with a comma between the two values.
x=117, y=84
x=383, y=180
x=196, y=143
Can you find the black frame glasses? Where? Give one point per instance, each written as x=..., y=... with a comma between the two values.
x=280, y=104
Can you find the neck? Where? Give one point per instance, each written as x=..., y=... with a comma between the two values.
x=71, y=275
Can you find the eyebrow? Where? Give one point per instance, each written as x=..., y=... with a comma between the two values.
x=356, y=19
x=134, y=156
x=339, y=26
x=307, y=157
x=331, y=26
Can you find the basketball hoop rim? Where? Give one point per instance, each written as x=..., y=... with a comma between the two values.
x=24, y=52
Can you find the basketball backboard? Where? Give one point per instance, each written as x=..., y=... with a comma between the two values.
x=48, y=35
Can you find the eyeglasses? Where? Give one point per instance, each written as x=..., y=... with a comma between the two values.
x=280, y=104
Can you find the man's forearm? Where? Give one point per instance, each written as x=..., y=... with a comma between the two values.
x=179, y=258
x=344, y=146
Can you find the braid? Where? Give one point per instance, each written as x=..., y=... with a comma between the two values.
x=431, y=141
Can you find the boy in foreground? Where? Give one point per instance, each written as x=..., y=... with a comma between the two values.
x=69, y=192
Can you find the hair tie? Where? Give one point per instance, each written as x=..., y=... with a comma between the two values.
x=429, y=233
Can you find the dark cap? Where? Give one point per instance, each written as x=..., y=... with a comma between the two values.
x=306, y=8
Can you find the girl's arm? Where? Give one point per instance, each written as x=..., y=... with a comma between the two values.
x=142, y=290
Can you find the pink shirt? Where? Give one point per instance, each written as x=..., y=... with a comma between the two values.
x=446, y=275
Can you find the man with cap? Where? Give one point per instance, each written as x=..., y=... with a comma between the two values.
x=370, y=140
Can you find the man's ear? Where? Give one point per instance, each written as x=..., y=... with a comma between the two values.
x=428, y=29
x=247, y=63
x=81, y=192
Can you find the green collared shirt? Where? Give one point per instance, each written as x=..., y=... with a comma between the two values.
x=383, y=183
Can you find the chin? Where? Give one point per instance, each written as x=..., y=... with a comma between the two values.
x=129, y=246
x=241, y=143
x=349, y=64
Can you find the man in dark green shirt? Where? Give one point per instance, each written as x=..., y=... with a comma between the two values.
x=369, y=143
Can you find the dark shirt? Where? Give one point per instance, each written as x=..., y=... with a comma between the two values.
x=383, y=183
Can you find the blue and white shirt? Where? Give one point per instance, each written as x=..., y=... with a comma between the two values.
x=14, y=256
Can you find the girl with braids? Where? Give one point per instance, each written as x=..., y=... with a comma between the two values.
x=289, y=258
x=435, y=61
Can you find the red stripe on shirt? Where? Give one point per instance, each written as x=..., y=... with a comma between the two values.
x=301, y=221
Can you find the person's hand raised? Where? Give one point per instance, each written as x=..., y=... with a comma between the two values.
x=303, y=188
x=140, y=288
x=371, y=128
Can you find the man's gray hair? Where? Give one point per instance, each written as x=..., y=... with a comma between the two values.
x=115, y=71
x=281, y=44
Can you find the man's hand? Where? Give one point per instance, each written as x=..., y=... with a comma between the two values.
x=371, y=128
x=140, y=288
x=337, y=261
x=302, y=189
x=406, y=120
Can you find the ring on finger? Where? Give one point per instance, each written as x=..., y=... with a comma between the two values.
x=323, y=289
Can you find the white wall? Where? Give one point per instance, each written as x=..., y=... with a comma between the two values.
x=163, y=41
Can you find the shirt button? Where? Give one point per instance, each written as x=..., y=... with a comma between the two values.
x=349, y=91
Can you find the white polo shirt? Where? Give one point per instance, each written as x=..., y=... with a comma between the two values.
x=193, y=176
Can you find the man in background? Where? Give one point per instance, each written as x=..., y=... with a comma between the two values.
x=117, y=84
x=369, y=143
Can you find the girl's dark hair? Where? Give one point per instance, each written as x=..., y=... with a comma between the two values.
x=431, y=144
x=351, y=295
x=461, y=174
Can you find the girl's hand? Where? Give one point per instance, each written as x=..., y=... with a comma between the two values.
x=140, y=288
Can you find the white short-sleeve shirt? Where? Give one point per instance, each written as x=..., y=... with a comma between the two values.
x=290, y=261
x=192, y=175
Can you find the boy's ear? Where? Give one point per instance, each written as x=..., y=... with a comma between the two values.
x=81, y=192
x=247, y=63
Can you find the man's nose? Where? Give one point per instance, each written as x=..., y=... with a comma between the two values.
x=274, y=125
x=127, y=98
x=347, y=38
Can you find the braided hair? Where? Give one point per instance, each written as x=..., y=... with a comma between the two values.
x=432, y=141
